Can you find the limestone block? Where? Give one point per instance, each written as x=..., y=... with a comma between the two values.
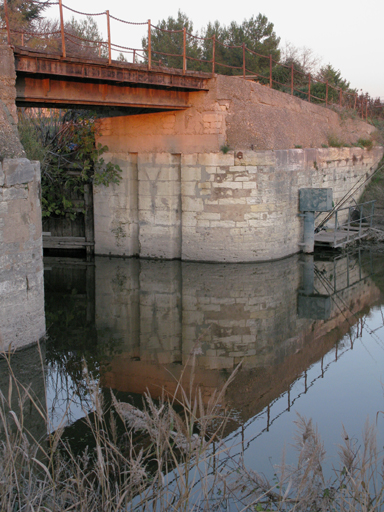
x=189, y=219
x=189, y=188
x=290, y=159
x=215, y=159
x=255, y=158
x=208, y=216
x=189, y=160
x=190, y=204
x=190, y=173
x=17, y=171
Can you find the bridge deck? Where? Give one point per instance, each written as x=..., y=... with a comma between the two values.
x=50, y=80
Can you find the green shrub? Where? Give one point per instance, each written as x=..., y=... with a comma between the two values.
x=365, y=143
x=334, y=141
x=225, y=148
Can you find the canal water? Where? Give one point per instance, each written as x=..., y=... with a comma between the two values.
x=307, y=332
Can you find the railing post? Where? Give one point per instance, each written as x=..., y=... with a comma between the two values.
x=366, y=109
x=354, y=108
x=336, y=226
x=22, y=39
x=270, y=71
x=213, y=53
x=7, y=22
x=134, y=57
x=372, y=212
x=184, y=50
x=109, y=38
x=63, y=50
x=361, y=218
x=309, y=87
x=149, y=44
x=326, y=93
x=292, y=78
x=349, y=223
x=243, y=60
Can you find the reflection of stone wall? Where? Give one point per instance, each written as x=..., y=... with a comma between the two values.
x=239, y=311
x=21, y=267
x=117, y=302
x=225, y=314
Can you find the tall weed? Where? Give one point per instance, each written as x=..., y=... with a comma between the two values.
x=167, y=456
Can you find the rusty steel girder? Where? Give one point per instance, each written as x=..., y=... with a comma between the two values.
x=50, y=80
x=47, y=91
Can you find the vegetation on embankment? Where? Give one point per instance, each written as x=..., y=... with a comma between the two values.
x=169, y=455
x=63, y=141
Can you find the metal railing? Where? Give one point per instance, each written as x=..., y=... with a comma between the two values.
x=351, y=222
x=185, y=49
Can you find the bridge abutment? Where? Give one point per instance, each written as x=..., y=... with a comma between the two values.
x=216, y=182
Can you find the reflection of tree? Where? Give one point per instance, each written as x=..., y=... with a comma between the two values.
x=74, y=356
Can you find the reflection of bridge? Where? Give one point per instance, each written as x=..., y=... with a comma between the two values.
x=47, y=80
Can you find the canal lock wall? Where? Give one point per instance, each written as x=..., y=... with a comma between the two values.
x=241, y=206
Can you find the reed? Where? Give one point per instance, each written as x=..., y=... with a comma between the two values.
x=170, y=456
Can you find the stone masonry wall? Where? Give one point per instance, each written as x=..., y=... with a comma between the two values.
x=22, y=320
x=182, y=197
x=235, y=112
x=239, y=206
x=10, y=146
x=244, y=206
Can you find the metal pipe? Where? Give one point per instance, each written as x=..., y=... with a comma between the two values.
x=309, y=232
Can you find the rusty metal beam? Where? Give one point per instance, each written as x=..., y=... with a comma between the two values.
x=34, y=63
x=46, y=91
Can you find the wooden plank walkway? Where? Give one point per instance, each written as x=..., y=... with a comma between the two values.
x=65, y=242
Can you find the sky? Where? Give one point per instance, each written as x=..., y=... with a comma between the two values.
x=349, y=35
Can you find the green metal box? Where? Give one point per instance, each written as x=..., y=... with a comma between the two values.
x=315, y=199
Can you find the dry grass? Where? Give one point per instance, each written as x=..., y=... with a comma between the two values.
x=171, y=457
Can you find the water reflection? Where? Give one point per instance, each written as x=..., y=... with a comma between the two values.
x=22, y=385
x=137, y=324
